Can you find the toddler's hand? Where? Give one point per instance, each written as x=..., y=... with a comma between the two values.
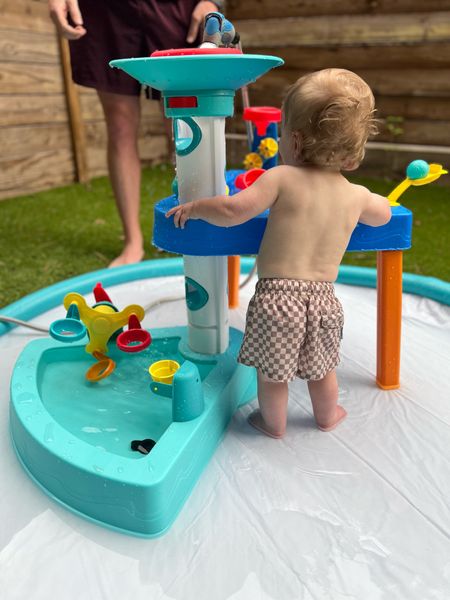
x=181, y=214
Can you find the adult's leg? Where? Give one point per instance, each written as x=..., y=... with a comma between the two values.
x=324, y=397
x=169, y=134
x=122, y=114
x=272, y=414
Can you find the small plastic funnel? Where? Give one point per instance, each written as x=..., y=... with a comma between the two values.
x=163, y=371
x=135, y=338
x=261, y=117
x=70, y=329
x=244, y=180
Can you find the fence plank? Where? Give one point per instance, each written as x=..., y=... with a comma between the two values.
x=29, y=169
x=35, y=172
x=417, y=132
x=419, y=56
x=265, y=9
x=432, y=109
x=20, y=141
x=34, y=78
x=23, y=15
x=346, y=30
x=32, y=109
x=28, y=46
x=407, y=82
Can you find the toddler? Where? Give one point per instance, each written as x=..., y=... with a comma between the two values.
x=294, y=320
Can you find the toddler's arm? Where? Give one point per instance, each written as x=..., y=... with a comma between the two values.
x=231, y=210
x=376, y=209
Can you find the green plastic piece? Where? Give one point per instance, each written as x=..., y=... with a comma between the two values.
x=196, y=295
x=184, y=146
x=187, y=400
x=161, y=389
x=186, y=392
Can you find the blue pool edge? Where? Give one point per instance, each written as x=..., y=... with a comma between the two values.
x=38, y=302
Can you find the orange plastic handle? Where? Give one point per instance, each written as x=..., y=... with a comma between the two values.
x=234, y=271
x=389, y=319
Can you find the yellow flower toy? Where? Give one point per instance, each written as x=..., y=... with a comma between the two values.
x=268, y=147
x=253, y=160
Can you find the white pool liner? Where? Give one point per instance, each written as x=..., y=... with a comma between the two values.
x=361, y=513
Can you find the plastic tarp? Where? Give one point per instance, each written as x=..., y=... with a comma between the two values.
x=361, y=513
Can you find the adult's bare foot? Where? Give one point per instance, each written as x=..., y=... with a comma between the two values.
x=129, y=256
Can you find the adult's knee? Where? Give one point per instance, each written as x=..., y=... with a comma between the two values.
x=122, y=129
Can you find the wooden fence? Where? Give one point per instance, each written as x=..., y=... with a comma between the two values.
x=400, y=47
x=36, y=141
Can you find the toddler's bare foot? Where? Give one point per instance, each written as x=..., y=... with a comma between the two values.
x=130, y=255
x=339, y=416
x=256, y=420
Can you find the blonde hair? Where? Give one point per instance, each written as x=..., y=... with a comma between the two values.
x=333, y=111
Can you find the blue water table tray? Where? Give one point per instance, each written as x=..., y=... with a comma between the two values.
x=74, y=439
x=201, y=239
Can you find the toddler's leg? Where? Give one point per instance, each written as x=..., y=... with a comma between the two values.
x=272, y=414
x=324, y=398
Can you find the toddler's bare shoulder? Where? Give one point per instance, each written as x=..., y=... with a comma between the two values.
x=359, y=192
x=286, y=174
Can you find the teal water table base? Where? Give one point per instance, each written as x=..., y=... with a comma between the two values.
x=74, y=437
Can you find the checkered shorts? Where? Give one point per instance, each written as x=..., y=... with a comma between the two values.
x=293, y=329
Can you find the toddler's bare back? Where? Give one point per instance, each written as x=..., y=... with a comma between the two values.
x=310, y=224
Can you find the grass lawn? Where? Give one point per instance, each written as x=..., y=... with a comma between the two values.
x=54, y=235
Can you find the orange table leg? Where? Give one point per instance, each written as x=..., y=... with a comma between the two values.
x=234, y=271
x=389, y=318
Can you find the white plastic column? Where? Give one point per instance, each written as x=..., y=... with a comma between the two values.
x=201, y=173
